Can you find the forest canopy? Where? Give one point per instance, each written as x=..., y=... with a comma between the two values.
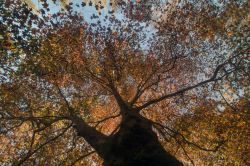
x=122, y=83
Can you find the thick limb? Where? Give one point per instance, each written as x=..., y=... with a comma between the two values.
x=95, y=138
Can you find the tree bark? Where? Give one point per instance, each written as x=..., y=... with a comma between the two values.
x=95, y=138
x=135, y=144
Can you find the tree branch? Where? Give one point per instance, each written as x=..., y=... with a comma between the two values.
x=82, y=157
x=234, y=108
x=142, y=86
x=105, y=119
x=95, y=138
x=181, y=91
x=187, y=141
x=30, y=153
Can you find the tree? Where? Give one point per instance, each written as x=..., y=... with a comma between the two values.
x=69, y=88
x=226, y=128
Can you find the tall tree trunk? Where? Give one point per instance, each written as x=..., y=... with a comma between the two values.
x=135, y=144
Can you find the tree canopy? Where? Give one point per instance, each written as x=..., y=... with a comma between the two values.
x=136, y=83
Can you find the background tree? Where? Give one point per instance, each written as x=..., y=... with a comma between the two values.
x=69, y=88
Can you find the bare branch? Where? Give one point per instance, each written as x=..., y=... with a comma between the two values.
x=175, y=133
x=30, y=153
x=82, y=157
x=142, y=86
x=230, y=105
x=181, y=91
x=65, y=100
x=105, y=119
